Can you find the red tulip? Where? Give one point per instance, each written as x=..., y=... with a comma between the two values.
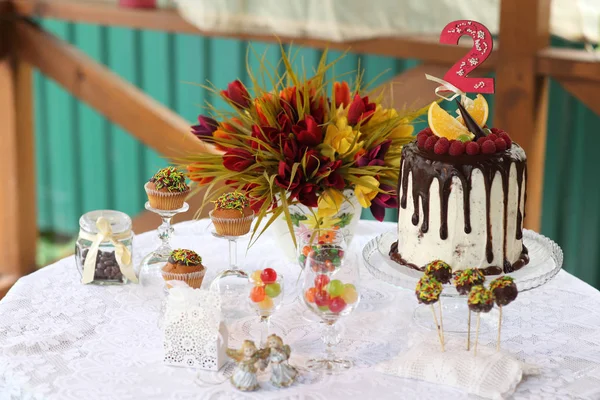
x=332, y=177
x=291, y=151
x=360, y=110
x=317, y=109
x=312, y=162
x=267, y=134
x=342, y=93
x=308, y=132
x=307, y=194
x=383, y=200
x=283, y=178
x=236, y=92
x=375, y=156
x=205, y=128
x=285, y=123
x=237, y=159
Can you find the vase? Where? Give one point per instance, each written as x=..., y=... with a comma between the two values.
x=306, y=219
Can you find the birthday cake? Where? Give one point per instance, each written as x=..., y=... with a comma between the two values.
x=461, y=194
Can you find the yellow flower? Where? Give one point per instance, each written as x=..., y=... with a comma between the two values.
x=330, y=202
x=315, y=221
x=401, y=131
x=339, y=138
x=382, y=115
x=364, y=194
x=392, y=158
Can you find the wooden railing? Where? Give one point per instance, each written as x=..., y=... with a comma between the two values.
x=523, y=62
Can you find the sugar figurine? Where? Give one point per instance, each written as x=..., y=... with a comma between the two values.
x=244, y=376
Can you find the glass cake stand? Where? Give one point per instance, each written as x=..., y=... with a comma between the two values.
x=545, y=260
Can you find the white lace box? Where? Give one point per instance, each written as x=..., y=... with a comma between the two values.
x=194, y=334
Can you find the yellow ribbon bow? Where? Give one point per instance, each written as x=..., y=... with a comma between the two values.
x=122, y=253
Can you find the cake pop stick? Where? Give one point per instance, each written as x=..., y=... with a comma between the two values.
x=469, y=332
x=480, y=300
x=504, y=291
x=477, y=334
x=442, y=272
x=428, y=291
x=499, y=327
x=441, y=321
x=464, y=281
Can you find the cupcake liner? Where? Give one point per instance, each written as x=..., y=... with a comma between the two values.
x=166, y=200
x=232, y=226
x=192, y=279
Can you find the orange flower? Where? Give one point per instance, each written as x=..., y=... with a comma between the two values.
x=259, y=103
x=342, y=94
x=192, y=171
x=328, y=238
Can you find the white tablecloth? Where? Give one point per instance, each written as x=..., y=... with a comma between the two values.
x=62, y=340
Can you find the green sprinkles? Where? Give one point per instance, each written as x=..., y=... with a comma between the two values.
x=469, y=276
x=187, y=257
x=480, y=295
x=232, y=201
x=428, y=289
x=502, y=282
x=171, y=179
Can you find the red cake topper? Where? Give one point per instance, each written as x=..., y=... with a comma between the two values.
x=482, y=48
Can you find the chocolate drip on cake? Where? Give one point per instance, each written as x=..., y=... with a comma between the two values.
x=426, y=166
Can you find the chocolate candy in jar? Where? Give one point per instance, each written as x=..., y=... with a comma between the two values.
x=106, y=268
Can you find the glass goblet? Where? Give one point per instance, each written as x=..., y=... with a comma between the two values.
x=331, y=296
x=265, y=296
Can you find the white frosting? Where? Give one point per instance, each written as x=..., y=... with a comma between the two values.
x=463, y=250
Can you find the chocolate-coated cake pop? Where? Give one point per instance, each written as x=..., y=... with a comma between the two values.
x=466, y=279
x=481, y=299
x=440, y=270
x=504, y=290
x=428, y=290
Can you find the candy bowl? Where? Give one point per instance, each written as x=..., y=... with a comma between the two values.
x=265, y=296
x=330, y=297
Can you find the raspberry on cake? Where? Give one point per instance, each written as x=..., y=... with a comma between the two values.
x=461, y=198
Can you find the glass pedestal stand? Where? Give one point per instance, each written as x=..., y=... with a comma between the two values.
x=545, y=260
x=231, y=283
x=150, y=268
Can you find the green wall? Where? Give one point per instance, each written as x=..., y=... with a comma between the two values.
x=85, y=163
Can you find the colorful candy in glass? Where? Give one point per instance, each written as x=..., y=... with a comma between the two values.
x=331, y=296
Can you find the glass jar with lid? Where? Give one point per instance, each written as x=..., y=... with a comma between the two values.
x=107, y=233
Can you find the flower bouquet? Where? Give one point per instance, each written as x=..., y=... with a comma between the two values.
x=292, y=145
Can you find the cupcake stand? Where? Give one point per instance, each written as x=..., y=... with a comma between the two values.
x=546, y=259
x=150, y=267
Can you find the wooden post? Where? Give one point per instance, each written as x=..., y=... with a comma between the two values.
x=521, y=97
x=18, y=232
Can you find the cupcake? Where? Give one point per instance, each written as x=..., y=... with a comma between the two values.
x=184, y=265
x=232, y=215
x=167, y=189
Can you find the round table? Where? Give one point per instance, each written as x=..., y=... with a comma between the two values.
x=63, y=340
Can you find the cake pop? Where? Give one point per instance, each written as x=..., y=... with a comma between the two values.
x=466, y=279
x=480, y=300
x=504, y=291
x=439, y=270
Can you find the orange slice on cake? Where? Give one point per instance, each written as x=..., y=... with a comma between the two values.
x=445, y=125
x=478, y=109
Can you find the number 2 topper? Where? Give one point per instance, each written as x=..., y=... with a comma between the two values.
x=483, y=43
